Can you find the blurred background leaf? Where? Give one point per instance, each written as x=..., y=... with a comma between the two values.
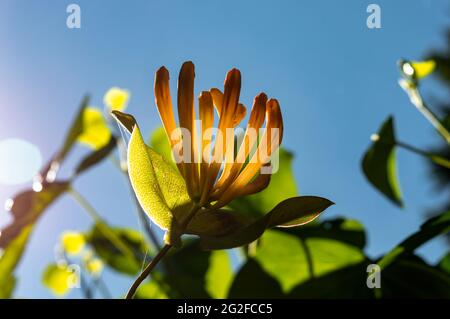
x=379, y=163
x=114, y=257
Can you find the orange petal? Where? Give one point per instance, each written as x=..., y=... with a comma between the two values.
x=230, y=100
x=186, y=114
x=206, y=110
x=269, y=143
x=217, y=96
x=163, y=102
x=231, y=170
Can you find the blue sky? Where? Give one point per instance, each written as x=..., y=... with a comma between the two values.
x=336, y=81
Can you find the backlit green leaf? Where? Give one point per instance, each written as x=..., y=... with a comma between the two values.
x=159, y=187
x=292, y=260
x=219, y=275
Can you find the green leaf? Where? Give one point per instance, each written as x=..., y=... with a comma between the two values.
x=219, y=275
x=253, y=282
x=379, y=163
x=113, y=256
x=188, y=267
x=96, y=156
x=292, y=260
x=291, y=212
x=433, y=227
x=216, y=222
x=9, y=259
x=75, y=130
x=282, y=186
x=159, y=187
x=150, y=290
x=444, y=264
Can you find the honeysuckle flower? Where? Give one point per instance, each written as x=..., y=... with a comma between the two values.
x=191, y=199
x=205, y=181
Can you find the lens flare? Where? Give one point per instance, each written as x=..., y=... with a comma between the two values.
x=19, y=161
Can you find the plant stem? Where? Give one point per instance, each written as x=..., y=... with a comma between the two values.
x=159, y=256
x=101, y=225
x=417, y=100
x=309, y=260
x=439, y=160
x=147, y=270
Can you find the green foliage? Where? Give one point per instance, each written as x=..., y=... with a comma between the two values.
x=413, y=278
x=219, y=275
x=253, y=282
x=29, y=205
x=379, y=163
x=435, y=226
x=9, y=260
x=113, y=256
x=292, y=260
x=193, y=273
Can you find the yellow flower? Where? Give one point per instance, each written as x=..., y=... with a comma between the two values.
x=96, y=133
x=206, y=182
x=116, y=99
x=94, y=266
x=73, y=242
x=60, y=279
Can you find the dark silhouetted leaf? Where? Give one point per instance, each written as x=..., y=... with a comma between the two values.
x=344, y=283
x=291, y=212
x=96, y=156
x=253, y=282
x=409, y=278
x=379, y=163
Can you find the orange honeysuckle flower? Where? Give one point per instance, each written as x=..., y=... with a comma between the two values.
x=240, y=174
